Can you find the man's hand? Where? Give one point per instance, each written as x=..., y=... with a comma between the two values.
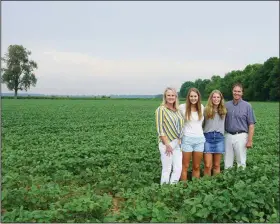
x=249, y=144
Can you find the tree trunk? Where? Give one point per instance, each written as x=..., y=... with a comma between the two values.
x=15, y=93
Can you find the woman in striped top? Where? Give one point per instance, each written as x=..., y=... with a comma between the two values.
x=169, y=123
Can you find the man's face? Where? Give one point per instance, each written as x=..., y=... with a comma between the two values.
x=237, y=93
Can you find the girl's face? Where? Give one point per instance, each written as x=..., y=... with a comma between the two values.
x=216, y=99
x=170, y=97
x=193, y=97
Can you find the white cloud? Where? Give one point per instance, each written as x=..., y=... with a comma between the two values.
x=78, y=73
x=68, y=62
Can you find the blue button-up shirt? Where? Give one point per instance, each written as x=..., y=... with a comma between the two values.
x=239, y=116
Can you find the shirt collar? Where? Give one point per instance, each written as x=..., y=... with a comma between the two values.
x=240, y=100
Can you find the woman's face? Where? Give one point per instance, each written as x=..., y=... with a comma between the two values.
x=216, y=99
x=193, y=97
x=170, y=97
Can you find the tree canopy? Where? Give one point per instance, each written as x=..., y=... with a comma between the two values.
x=260, y=82
x=18, y=70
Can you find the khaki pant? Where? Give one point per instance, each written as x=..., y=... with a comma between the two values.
x=235, y=147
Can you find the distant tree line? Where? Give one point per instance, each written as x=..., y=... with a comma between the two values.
x=260, y=81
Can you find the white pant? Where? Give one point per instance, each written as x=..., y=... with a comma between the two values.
x=235, y=145
x=175, y=160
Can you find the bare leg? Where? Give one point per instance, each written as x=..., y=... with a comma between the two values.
x=207, y=164
x=217, y=161
x=186, y=162
x=197, y=156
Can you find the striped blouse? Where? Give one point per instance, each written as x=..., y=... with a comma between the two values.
x=169, y=123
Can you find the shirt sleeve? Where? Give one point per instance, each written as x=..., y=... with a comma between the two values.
x=251, y=119
x=202, y=109
x=182, y=128
x=159, y=121
x=182, y=109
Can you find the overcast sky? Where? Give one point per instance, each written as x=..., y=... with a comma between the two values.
x=138, y=47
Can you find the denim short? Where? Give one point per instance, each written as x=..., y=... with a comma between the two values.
x=215, y=142
x=193, y=144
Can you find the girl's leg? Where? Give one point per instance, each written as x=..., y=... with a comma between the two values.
x=217, y=161
x=197, y=156
x=207, y=164
x=186, y=162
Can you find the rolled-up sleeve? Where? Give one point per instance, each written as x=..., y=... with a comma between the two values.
x=159, y=121
x=251, y=119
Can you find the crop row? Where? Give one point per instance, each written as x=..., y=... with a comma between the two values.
x=98, y=161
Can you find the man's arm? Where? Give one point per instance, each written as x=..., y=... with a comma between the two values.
x=249, y=143
x=251, y=119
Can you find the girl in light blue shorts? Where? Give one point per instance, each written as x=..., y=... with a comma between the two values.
x=193, y=139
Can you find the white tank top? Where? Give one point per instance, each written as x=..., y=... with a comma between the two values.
x=192, y=127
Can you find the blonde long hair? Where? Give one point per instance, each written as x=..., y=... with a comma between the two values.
x=209, y=108
x=188, y=104
x=176, y=103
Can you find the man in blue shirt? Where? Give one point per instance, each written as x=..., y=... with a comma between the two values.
x=239, y=127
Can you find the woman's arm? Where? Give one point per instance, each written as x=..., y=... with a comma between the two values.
x=159, y=121
x=162, y=135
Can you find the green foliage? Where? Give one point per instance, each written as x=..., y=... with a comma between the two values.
x=213, y=84
x=18, y=72
x=260, y=81
x=97, y=161
x=185, y=88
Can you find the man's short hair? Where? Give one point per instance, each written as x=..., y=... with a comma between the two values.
x=237, y=84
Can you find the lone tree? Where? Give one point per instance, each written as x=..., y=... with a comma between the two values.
x=18, y=71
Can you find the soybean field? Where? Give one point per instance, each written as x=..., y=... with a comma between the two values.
x=98, y=161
